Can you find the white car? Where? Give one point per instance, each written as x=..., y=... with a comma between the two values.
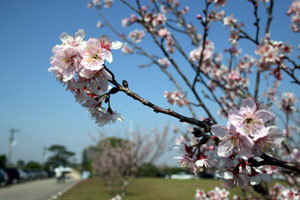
x=183, y=175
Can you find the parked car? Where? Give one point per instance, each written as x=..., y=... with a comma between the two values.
x=3, y=178
x=23, y=175
x=13, y=175
x=182, y=176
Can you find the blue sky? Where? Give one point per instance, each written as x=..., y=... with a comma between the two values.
x=36, y=104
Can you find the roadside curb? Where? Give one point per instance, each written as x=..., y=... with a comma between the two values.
x=63, y=191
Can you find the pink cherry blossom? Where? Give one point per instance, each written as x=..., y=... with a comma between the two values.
x=107, y=45
x=74, y=41
x=65, y=62
x=93, y=56
x=232, y=142
x=249, y=120
x=287, y=104
x=176, y=98
x=164, y=62
x=137, y=35
x=295, y=11
x=273, y=138
x=126, y=49
x=220, y=3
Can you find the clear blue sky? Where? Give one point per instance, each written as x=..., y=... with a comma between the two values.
x=36, y=104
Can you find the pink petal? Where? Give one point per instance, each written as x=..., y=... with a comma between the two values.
x=219, y=130
x=265, y=115
x=116, y=45
x=225, y=148
x=245, y=147
x=248, y=105
x=235, y=118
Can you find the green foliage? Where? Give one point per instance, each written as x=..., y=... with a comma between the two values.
x=148, y=170
x=87, y=157
x=3, y=161
x=33, y=165
x=60, y=156
x=113, y=141
x=21, y=164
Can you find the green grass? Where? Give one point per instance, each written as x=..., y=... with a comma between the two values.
x=144, y=189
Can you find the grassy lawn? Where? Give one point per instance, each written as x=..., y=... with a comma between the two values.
x=144, y=189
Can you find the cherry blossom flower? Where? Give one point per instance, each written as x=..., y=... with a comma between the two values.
x=203, y=162
x=74, y=41
x=106, y=44
x=215, y=194
x=200, y=195
x=118, y=197
x=233, y=178
x=176, y=98
x=65, y=62
x=219, y=3
x=99, y=24
x=164, y=62
x=93, y=56
x=103, y=116
x=125, y=22
x=137, y=35
x=249, y=120
x=295, y=155
x=295, y=11
x=287, y=104
x=229, y=21
x=126, y=49
x=273, y=137
x=232, y=142
x=159, y=19
x=108, y=3
x=163, y=32
x=207, y=54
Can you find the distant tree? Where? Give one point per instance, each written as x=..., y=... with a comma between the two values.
x=117, y=159
x=20, y=163
x=60, y=156
x=3, y=161
x=33, y=165
x=147, y=170
x=87, y=154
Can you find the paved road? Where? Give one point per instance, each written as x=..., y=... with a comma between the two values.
x=35, y=190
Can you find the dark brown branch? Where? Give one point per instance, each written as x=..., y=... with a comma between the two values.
x=156, y=108
x=205, y=33
x=270, y=17
x=268, y=160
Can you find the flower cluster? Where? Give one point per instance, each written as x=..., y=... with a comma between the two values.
x=193, y=160
x=278, y=191
x=80, y=65
x=295, y=11
x=126, y=49
x=281, y=192
x=137, y=35
x=215, y=194
x=176, y=98
x=164, y=62
x=245, y=136
x=207, y=54
x=271, y=53
x=288, y=101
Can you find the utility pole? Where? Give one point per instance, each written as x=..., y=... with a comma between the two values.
x=44, y=155
x=11, y=145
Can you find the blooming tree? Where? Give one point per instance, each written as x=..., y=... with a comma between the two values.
x=117, y=159
x=249, y=138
